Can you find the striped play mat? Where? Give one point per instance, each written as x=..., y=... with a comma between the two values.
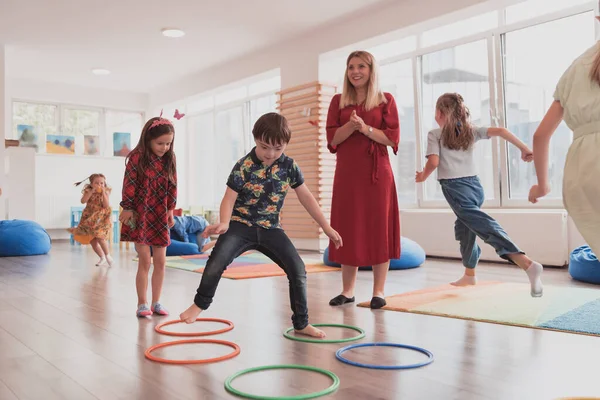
x=247, y=266
x=562, y=308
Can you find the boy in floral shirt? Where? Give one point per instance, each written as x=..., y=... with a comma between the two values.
x=250, y=210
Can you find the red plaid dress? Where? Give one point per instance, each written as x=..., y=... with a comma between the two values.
x=149, y=196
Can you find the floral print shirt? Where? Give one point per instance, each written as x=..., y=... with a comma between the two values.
x=261, y=189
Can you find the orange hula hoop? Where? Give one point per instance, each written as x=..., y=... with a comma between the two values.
x=235, y=352
x=159, y=327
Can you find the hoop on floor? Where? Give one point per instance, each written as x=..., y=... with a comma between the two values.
x=315, y=340
x=334, y=386
x=159, y=327
x=338, y=355
x=234, y=353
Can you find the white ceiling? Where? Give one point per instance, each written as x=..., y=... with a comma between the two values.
x=62, y=40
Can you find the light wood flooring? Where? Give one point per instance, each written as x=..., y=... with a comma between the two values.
x=68, y=331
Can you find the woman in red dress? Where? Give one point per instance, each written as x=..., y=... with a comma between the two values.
x=361, y=123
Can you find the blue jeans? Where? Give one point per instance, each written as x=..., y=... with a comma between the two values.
x=465, y=196
x=273, y=243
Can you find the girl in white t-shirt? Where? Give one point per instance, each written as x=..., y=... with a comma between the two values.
x=450, y=151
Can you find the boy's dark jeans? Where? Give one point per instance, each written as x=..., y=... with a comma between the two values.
x=273, y=243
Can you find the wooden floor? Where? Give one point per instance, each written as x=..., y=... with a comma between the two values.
x=68, y=331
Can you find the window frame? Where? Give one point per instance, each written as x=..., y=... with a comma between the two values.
x=495, y=39
x=59, y=116
x=500, y=34
x=495, y=202
x=245, y=104
x=412, y=59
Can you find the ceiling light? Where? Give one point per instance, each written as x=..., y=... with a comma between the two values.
x=100, y=71
x=173, y=33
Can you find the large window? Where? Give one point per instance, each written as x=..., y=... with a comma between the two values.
x=529, y=83
x=230, y=143
x=75, y=130
x=506, y=63
x=32, y=122
x=204, y=190
x=397, y=79
x=462, y=69
x=258, y=107
x=456, y=30
x=531, y=8
x=220, y=136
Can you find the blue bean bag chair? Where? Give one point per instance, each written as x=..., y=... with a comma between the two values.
x=180, y=248
x=184, y=236
x=23, y=238
x=411, y=256
x=584, y=265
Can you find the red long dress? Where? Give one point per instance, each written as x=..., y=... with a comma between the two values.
x=364, y=208
x=150, y=197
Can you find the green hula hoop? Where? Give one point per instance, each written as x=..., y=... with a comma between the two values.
x=334, y=386
x=311, y=340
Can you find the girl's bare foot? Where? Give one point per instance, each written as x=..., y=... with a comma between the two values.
x=311, y=331
x=189, y=316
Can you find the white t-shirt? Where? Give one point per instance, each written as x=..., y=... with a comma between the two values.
x=454, y=163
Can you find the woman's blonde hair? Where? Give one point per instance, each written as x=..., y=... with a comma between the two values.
x=457, y=132
x=374, y=94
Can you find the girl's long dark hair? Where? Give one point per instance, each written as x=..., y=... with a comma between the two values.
x=145, y=151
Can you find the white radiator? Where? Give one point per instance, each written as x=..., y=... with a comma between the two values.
x=542, y=234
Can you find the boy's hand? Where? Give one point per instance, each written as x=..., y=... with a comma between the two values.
x=419, y=177
x=215, y=229
x=527, y=154
x=334, y=236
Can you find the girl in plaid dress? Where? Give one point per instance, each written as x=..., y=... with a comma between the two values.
x=149, y=197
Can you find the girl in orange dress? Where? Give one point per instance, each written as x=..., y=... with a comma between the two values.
x=95, y=224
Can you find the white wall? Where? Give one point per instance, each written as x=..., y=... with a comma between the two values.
x=4, y=125
x=55, y=194
x=53, y=175
x=21, y=89
x=19, y=187
x=298, y=59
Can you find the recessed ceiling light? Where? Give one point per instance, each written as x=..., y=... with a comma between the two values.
x=100, y=71
x=173, y=33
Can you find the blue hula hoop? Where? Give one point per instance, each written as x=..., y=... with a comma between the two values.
x=338, y=355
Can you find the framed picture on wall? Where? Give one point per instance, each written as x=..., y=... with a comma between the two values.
x=28, y=136
x=58, y=144
x=121, y=143
x=91, y=145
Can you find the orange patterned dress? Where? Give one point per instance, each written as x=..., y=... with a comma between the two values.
x=95, y=221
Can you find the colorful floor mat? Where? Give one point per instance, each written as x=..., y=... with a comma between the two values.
x=562, y=308
x=247, y=266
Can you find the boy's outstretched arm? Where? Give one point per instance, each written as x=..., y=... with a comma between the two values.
x=309, y=202
x=432, y=163
x=224, y=214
